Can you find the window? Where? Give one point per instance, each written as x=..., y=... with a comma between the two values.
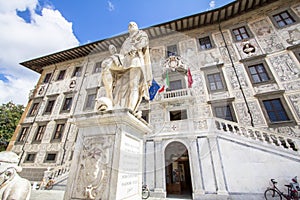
x=172, y=50
x=61, y=75
x=47, y=78
x=97, y=68
x=50, y=157
x=240, y=33
x=71, y=155
x=223, y=112
x=49, y=107
x=77, y=72
x=40, y=132
x=67, y=104
x=175, y=85
x=205, y=43
x=275, y=110
x=283, y=19
x=258, y=73
x=34, y=109
x=23, y=134
x=58, y=131
x=145, y=115
x=178, y=115
x=90, y=101
x=30, y=157
x=215, y=82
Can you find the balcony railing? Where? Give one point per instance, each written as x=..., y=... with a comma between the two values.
x=176, y=94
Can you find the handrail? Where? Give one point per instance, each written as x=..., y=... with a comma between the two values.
x=58, y=173
x=256, y=134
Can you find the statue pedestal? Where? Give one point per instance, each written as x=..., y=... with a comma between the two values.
x=108, y=157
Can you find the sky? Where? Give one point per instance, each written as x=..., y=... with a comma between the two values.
x=34, y=28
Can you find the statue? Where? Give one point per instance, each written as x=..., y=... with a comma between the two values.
x=12, y=186
x=127, y=76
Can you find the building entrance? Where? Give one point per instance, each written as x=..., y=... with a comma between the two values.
x=178, y=176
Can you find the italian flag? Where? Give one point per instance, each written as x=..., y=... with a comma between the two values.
x=166, y=84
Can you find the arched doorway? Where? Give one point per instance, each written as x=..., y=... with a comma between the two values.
x=178, y=175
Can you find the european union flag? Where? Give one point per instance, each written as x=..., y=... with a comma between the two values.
x=153, y=89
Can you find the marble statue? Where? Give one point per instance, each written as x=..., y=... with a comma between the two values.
x=128, y=75
x=12, y=186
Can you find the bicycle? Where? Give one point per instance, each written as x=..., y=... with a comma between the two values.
x=274, y=193
x=145, y=192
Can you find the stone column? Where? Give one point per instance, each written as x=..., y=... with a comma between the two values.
x=149, y=165
x=217, y=165
x=195, y=169
x=108, y=156
x=160, y=182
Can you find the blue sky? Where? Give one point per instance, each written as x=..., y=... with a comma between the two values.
x=34, y=28
x=99, y=19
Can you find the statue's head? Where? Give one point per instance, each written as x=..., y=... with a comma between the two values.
x=112, y=49
x=132, y=27
x=9, y=159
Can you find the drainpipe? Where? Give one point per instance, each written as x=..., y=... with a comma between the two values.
x=23, y=145
x=237, y=77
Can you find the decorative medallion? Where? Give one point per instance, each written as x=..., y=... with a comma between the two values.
x=41, y=90
x=248, y=48
x=72, y=84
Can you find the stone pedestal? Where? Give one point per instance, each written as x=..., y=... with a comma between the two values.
x=107, y=162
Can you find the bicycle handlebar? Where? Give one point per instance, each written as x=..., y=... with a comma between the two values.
x=273, y=181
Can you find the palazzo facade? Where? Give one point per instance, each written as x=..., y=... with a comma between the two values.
x=229, y=133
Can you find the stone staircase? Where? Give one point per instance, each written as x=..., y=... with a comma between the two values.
x=266, y=138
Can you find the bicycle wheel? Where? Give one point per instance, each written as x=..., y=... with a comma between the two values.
x=145, y=194
x=272, y=194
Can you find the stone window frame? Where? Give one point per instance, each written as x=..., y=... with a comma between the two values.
x=256, y=61
x=57, y=135
x=77, y=72
x=22, y=137
x=35, y=106
x=248, y=31
x=213, y=70
x=37, y=132
x=146, y=115
x=64, y=107
x=89, y=92
x=228, y=102
x=176, y=76
x=181, y=111
x=61, y=74
x=50, y=99
x=51, y=161
x=29, y=159
x=47, y=77
x=171, y=53
x=275, y=95
x=177, y=108
x=289, y=11
x=97, y=67
x=210, y=39
x=296, y=51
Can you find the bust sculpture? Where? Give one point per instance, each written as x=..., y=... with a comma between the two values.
x=127, y=76
x=12, y=186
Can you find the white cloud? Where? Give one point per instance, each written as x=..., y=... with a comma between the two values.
x=212, y=4
x=21, y=41
x=111, y=6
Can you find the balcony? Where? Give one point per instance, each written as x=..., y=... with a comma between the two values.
x=176, y=94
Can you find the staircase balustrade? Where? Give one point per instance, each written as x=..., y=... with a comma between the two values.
x=256, y=134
